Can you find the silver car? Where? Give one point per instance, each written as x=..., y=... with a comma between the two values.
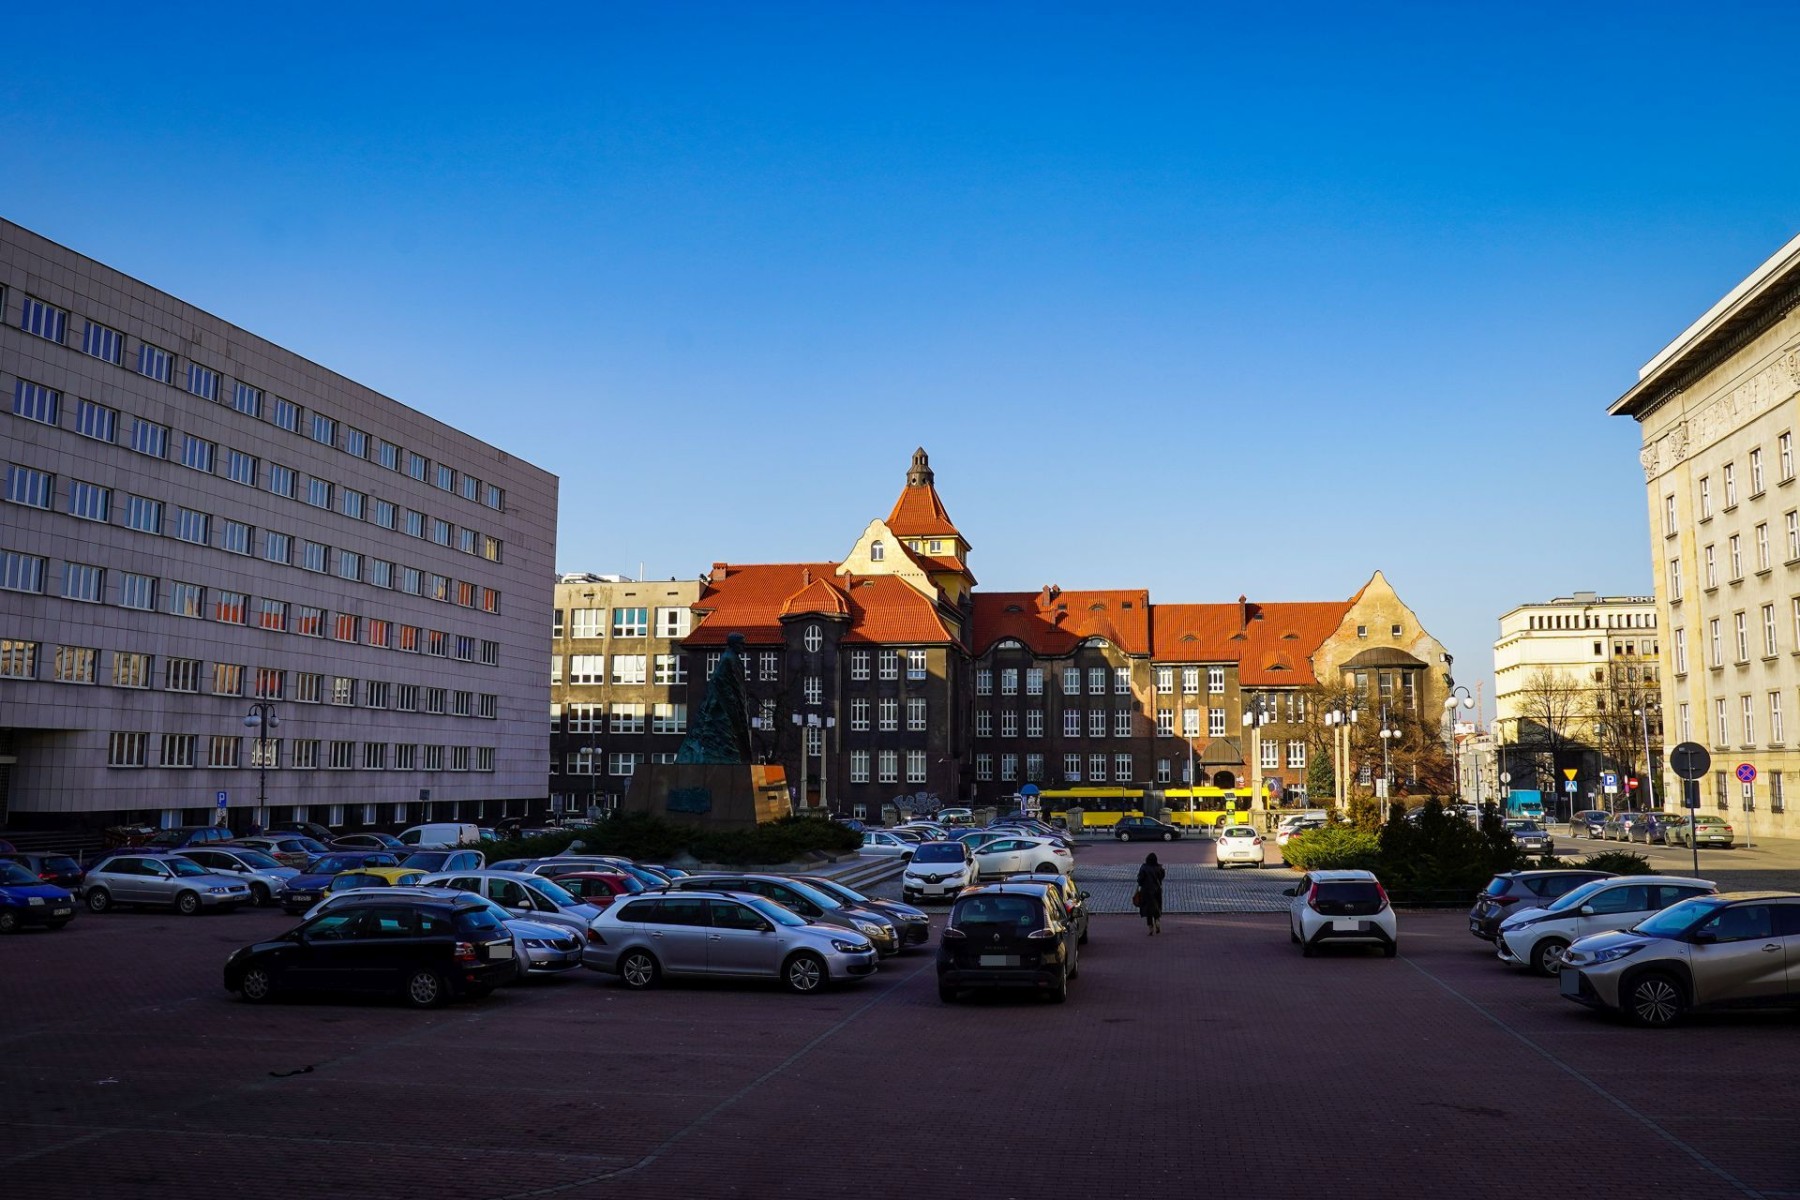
x=539, y=949
x=522, y=894
x=722, y=934
x=264, y=875
x=162, y=880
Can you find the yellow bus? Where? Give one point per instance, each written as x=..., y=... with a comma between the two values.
x=1202, y=807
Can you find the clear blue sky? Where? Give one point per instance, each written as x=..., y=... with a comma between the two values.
x=1203, y=300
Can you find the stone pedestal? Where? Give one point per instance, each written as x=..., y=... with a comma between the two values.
x=712, y=795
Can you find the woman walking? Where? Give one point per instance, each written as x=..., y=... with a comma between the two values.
x=1149, y=892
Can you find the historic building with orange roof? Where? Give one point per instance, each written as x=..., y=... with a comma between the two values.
x=908, y=684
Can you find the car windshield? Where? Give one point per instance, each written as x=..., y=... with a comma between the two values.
x=822, y=899
x=13, y=875
x=775, y=912
x=1523, y=826
x=1677, y=919
x=185, y=867
x=556, y=893
x=939, y=852
x=1709, y=820
x=355, y=880
x=1576, y=898
x=257, y=859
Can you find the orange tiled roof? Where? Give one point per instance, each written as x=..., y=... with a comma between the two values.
x=1272, y=644
x=752, y=599
x=919, y=513
x=1197, y=633
x=1053, y=622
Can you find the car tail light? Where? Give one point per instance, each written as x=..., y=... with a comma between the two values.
x=1382, y=892
x=1060, y=850
x=953, y=932
x=1727, y=829
x=1257, y=841
x=1312, y=897
x=1041, y=935
x=465, y=952
x=1503, y=901
x=593, y=935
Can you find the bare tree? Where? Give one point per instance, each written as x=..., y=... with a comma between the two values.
x=1552, y=706
x=1619, y=730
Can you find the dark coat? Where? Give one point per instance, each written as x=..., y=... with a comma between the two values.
x=1150, y=890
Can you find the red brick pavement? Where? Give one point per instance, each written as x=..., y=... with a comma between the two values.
x=1441, y=1073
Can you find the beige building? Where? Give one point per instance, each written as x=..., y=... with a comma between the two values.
x=1576, y=684
x=1717, y=409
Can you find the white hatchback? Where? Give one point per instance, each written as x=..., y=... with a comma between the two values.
x=1238, y=844
x=1011, y=855
x=938, y=871
x=1349, y=907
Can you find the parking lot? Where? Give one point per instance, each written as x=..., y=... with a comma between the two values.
x=1213, y=1058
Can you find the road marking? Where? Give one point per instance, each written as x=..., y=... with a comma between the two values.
x=1597, y=1088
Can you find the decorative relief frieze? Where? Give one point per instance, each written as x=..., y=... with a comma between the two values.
x=1774, y=384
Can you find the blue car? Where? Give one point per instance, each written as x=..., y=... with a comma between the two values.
x=27, y=900
x=305, y=889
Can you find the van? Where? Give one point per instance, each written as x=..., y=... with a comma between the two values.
x=1291, y=819
x=442, y=835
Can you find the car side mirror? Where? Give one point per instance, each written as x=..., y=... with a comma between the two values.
x=765, y=927
x=1587, y=910
x=1699, y=938
x=1290, y=891
x=1087, y=895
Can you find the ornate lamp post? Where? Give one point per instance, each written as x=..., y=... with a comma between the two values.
x=1341, y=717
x=1643, y=713
x=1468, y=701
x=263, y=720
x=1390, y=736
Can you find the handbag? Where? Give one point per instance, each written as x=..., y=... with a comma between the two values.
x=1137, y=898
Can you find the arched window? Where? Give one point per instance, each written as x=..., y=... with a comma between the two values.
x=877, y=551
x=814, y=639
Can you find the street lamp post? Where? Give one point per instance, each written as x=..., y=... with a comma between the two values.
x=1643, y=713
x=1341, y=717
x=263, y=720
x=1390, y=735
x=1468, y=701
x=1255, y=717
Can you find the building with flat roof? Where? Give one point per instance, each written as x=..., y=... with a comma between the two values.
x=197, y=524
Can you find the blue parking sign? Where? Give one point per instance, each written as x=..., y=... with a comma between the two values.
x=222, y=799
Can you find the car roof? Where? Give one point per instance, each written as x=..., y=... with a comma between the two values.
x=1542, y=872
x=1623, y=880
x=1000, y=889
x=1741, y=897
x=1341, y=876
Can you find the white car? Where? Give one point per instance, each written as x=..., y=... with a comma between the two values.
x=1348, y=907
x=1287, y=832
x=938, y=870
x=1537, y=937
x=532, y=896
x=1011, y=855
x=1238, y=844
x=878, y=843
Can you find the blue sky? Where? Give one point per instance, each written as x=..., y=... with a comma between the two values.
x=1192, y=298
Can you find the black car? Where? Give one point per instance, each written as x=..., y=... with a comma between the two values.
x=1589, y=824
x=183, y=836
x=1063, y=888
x=1145, y=829
x=58, y=869
x=1515, y=891
x=1007, y=936
x=913, y=924
x=424, y=950
x=311, y=829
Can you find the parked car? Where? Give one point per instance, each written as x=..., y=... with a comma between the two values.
x=1536, y=939
x=557, y=867
x=539, y=949
x=534, y=896
x=955, y=816
x=425, y=951
x=445, y=860
x=1619, y=826
x=1704, y=829
x=303, y=890
x=804, y=900
x=931, y=829
x=913, y=924
x=442, y=835
x=161, y=879
x=27, y=900
x=188, y=835
x=312, y=829
x=1238, y=844
x=265, y=876
x=909, y=833
x=368, y=878
x=598, y=888
x=975, y=839
x=1515, y=891
x=1343, y=908
x=1529, y=836
x=1704, y=953
x=58, y=869
x=1035, y=829
x=880, y=843
x=671, y=934
x=1286, y=833
x=1655, y=828
x=1589, y=823
x=1007, y=936
x=1014, y=854
x=370, y=841
x=288, y=849
x=1145, y=829
x=937, y=870
x=1074, y=900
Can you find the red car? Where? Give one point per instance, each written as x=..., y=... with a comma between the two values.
x=599, y=888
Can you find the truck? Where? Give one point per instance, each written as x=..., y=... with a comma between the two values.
x=1523, y=802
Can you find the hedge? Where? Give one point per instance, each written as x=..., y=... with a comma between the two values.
x=1333, y=848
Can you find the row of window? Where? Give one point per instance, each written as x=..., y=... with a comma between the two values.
x=90, y=584
x=1124, y=769
x=86, y=501
x=625, y=718
x=631, y=622
x=21, y=659
x=620, y=764
x=1734, y=556
x=1550, y=621
x=1098, y=679
x=1728, y=478
x=51, y=322
x=1722, y=781
x=128, y=749
x=1767, y=628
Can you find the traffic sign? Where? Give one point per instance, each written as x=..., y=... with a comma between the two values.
x=222, y=798
x=1506, y=777
x=1746, y=773
x=1569, y=773
x=1690, y=760
x=1569, y=787
x=1610, y=782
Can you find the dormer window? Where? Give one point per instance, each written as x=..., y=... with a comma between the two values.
x=877, y=551
x=937, y=547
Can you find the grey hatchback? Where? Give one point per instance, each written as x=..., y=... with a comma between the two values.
x=161, y=879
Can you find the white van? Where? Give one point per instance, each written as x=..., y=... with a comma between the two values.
x=442, y=835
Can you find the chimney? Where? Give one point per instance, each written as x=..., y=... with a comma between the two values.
x=806, y=577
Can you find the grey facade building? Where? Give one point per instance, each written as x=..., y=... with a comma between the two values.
x=197, y=522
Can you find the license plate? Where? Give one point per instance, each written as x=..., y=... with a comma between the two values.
x=999, y=960
x=1569, y=982
x=1347, y=925
x=500, y=950
x=62, y=912
x=1474, y=926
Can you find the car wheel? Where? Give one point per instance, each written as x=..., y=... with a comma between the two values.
x=804, y=974
x=1044, y=869
x=187, y=904
x=1059, y=991
x=907, y=857
x=256, y=986
x=1168, y=837
x=425, y=989
x=1547, y=958
x=99, y=900
x=1082, y=940
x=1308, y=950
x=259, y=895
x=9, y=921
x=1292, y=936
x=1655, y=1000
x=946, y=993
x=638, y=969
x=1390, y=950
x=1123, y=836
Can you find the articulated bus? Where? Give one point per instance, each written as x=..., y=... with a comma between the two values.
x=1203, y=807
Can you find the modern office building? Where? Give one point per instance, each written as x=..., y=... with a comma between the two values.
x=1576, y=688
x=1717, y=409
x=199, y=526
